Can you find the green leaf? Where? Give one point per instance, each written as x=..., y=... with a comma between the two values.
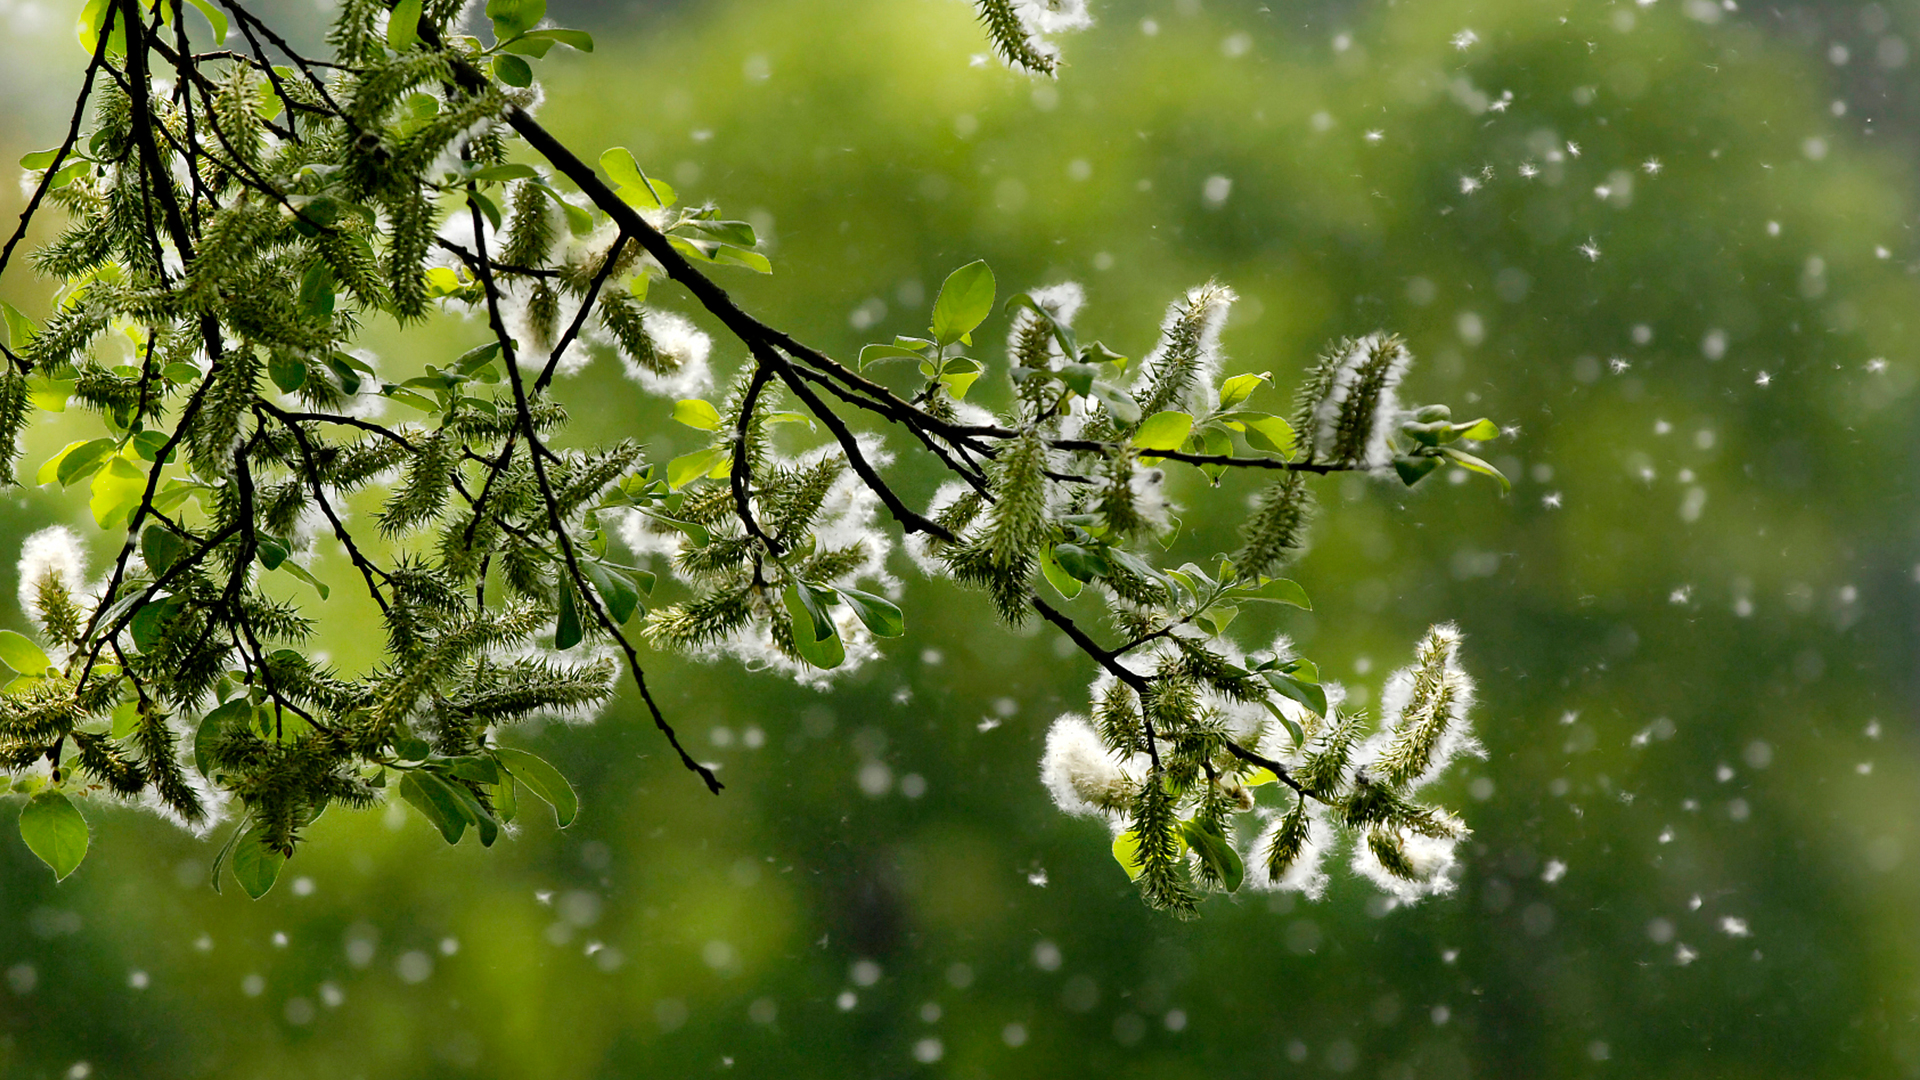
x=543, y=780
x=513, y=71
x=1082, y=564
x=1214, y=850
x=22, y=655
x=403, y=26
x=430, y=795
x=566, y=632
x=1240, y=388
x=316, y=285
x=470, y=807
x=696, y=413
x=117, y=489
x=1293, y=728
x=1277, y=591
x=151, y=619
x=575, y=39
x=20, y=329
x=616, y=590
x=1312, y=695
x=636, y=187
x=1126, y=852
x=733, y=256
x=815, y=637
x=76, y=462
x=1414, y=468
x=1063, y=583
x=1118, y=402
x=215, y=18
x=126, y=718
x=511, y=18
x=1163, y=431
x=55, y=831
x=288, y=371
x=1268, y=433
x=149, y=443
x=161, y=547
x=687, y=468
x=1473, y=464
x=1479, y=430
x=255, y=865
x=878, y=613
x=506, y=800
x=965, y=301
x=271, y=551
x=303, y=574
x=875, y=354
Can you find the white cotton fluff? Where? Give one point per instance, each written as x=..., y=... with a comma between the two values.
x=1210, y=303
x=676, y=337
x=1307, y=875
x=214, y=801
x=1433, y=860
x=1377, y=453
x=1085, y=779
x=53, y=551
x=533, y=347
x=1053, y=16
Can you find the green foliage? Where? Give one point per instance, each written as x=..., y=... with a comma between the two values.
x=225, y=246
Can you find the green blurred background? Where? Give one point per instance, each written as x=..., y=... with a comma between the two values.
x=1693, y=622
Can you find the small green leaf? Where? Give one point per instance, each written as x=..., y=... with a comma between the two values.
x=566, y=632
x=288, y=371
x=696, y=413
x=1268, y=433
x=430, y=795
x=116, y=491
x=511, y=18
x=316, y=285
x=1414, y=468
x=148, y=622
x=54, y=831
x=1219, y=855
x=687, y=468
x=1312, y=695
x=1277, y=591
x=1126, y=852
x=1163, y=431
x=878, y=613
x=1293, y=726
x=215, y=18
x=1473, y=464
x=815, y=637
x=965, y=301
x=636, y=187
x=161, y=547
x=543, y=780
x=506, y=800
x=126, y=719
x=76, y=463
x=255, y=865
x=303, y=574
x=1478, y=431
x=616, y=590
x=1063, y=583
x=22, y=655
x=1082, y=564
x=1240, y=388
x=20, y=329
x=875, y=354
x=403, y=27
x=575, y=39
x=513, y=71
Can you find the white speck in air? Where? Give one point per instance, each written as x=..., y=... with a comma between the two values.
x=1590, y=249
